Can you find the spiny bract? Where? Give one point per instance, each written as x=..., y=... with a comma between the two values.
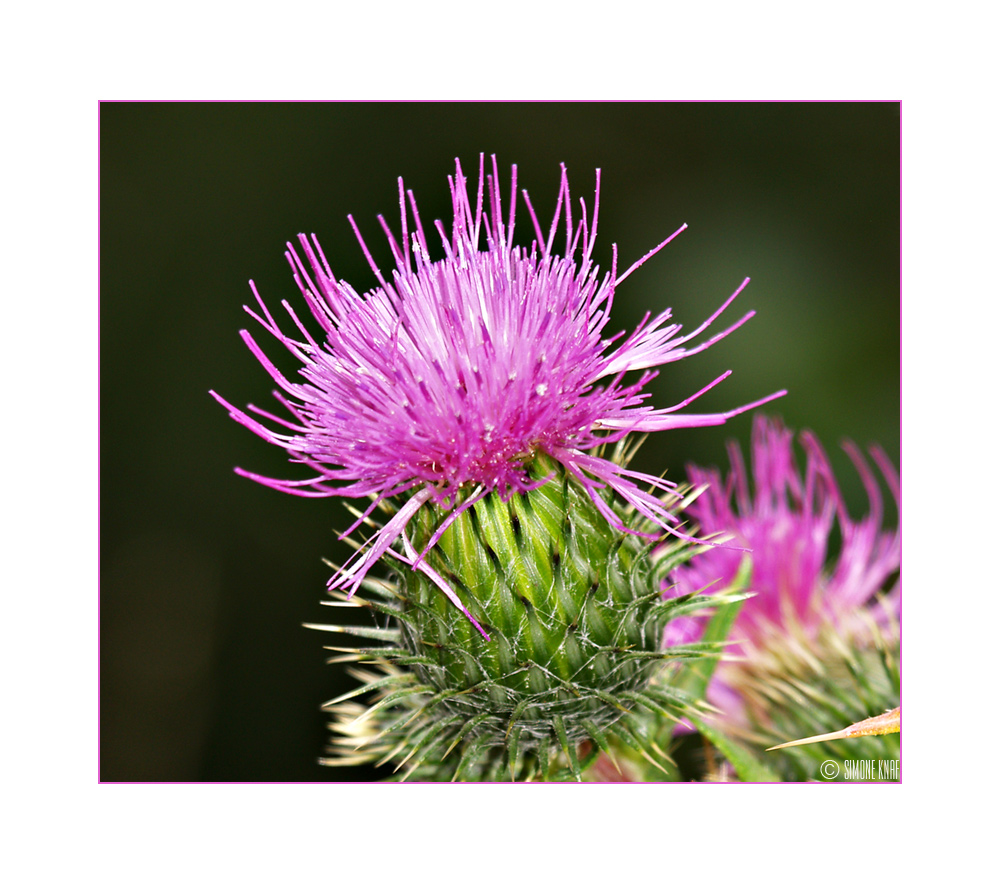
x=575, y=615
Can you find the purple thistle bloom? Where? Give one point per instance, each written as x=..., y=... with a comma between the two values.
x=453, y=374
x=788, y=524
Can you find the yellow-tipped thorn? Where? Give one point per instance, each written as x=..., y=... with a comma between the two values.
x=886, y=723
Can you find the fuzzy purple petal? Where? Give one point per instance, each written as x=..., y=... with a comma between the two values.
x=456, y=372
x=789, y=520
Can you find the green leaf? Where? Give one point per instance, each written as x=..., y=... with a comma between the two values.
x=697, y=674
x=747, y=767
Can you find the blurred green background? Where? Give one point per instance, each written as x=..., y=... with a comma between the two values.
x=206, y=671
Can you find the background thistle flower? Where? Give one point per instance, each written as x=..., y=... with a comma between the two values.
x=817, y=646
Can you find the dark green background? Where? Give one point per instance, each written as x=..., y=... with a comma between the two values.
x=206, y=673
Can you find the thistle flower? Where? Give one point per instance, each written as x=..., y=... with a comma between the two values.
x=806, y=638
x=447, y=381
x=788, y=523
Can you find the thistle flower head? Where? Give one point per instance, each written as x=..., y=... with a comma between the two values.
x=790, y=522
x=446, y=381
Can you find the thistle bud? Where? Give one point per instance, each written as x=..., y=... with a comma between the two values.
x=574, y=617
